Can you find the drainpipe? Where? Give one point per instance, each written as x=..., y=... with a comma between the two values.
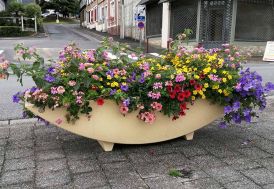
x=165, y=24
x=122, y=26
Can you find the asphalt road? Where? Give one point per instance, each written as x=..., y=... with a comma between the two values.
x=59, y=36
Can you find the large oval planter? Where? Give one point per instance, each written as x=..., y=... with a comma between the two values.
x=108, y=126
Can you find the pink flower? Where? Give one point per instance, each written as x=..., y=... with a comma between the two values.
x=168, y=84
x=227, y=51
x=158, y=85
x=31, y=50
x=123, y=72
x=59, y=121
x=60, y=90
x=53, y=90
x=96, y=77
x=72, y=83
x=180, y=78
x=147, y=117
x=124, y=109
x=157, y=106
x=81, y=66
x=116, y=71
x=90, y=70
x=79, y=100
x=158, y=76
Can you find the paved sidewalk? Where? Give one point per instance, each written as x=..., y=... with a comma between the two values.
x=38, y=156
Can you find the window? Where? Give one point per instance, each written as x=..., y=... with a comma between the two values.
x=112, y=9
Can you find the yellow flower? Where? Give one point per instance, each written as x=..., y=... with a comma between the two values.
x=201, y=92
x=229, y=77
x=206, y=70
x=101, y=87
x=116, y=76
x=119, y=91
x=215, y=87
x=185, y=69
x=203, y=97
x=224, y=80
x=195, y=69
x=204, y=89
x=172, y=76
x=124, y=77
x=109, y=77
x=193, y=98
x=194, y=92
x=196, y=77
x=101, y=79
x=221, y=61
x=220, y=91
x=226, y=93
x=214, y=71
x=206, y=85
x=224, y=72
x=114, y=84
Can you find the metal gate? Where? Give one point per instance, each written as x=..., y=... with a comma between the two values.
x=184, y=16
x=154, y=19
x=215, y=22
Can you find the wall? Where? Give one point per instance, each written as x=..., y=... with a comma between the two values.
x=2, y=5
x=131, y=29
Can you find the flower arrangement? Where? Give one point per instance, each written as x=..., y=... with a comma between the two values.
x=4, y=64
x=169, y=84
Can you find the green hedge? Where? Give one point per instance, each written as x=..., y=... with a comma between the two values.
x=13, y=31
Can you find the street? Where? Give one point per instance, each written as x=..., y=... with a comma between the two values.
x=59, y=36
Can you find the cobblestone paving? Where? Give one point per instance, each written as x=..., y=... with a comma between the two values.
x=38, y=156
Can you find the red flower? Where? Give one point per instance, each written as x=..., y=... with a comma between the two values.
x=172, y=95
x=187, y=93
x=100, y=101
x=183, y=106
x=198, y=87
x=169, y=89
x=181, y=97
x=177, y=88
x=202, y=76
x=192, y=82
x=182, y=113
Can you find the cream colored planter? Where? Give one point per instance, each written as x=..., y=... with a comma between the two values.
x=108, y=126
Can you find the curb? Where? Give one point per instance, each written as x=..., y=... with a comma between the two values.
x=15, y=122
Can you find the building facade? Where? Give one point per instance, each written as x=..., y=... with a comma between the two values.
x=213, y=22
x=2, y=5
x=101, y=15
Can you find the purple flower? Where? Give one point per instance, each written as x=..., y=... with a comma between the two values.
x=126, y=102
x=223, y=125
x=51, y=70
x=33, y=89
x=227, y=109
x=112, y=92
x=236, y=106
x=124, y=88
x=16, y=97
x=49, y=78
x=141, y=80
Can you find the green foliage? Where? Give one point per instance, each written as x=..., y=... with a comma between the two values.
x=175, y=173
x=12, y=31
x=16, y=8
x=32, y=10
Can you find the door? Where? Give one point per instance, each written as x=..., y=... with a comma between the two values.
x=215, y=22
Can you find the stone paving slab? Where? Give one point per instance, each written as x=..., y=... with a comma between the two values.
x=33, y=155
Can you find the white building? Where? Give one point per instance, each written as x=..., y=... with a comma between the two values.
x=2, y=5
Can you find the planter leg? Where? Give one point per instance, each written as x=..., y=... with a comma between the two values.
x=107, y=146
x=189, y=136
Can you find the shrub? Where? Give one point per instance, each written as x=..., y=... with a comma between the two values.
x=32, y=10
x=13, y=31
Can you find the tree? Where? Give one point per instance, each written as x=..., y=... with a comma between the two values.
x=15, y=8
x=64, y=7
x=32, y=10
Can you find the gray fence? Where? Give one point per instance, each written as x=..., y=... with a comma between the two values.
x=25, y=23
